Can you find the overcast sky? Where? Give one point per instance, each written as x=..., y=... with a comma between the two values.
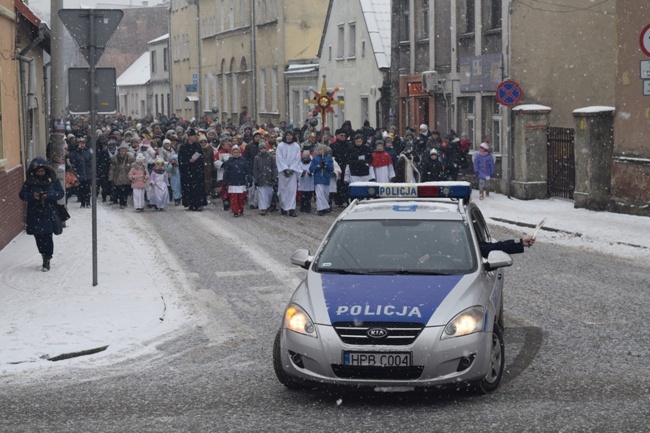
x=42, y=7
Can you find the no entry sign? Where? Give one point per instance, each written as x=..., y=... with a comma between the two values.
x=509, y=93
x=644, y=40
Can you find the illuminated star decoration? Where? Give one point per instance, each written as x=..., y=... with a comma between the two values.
x=323, y=101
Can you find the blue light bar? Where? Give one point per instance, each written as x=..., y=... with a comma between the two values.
x=457, y=190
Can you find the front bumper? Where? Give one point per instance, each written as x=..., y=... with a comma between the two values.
x=435, y=362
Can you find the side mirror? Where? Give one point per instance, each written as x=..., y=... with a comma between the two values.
x=497, y=259
x=301, y=258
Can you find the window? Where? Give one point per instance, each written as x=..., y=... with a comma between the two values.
x=165, y=58
x=156, y=99
x=341, y=42
x=262, y=79
x=162, y=104
x=224, y=87
x=231, y=14
x=404, y=25
x=242, y=13
x=469, y=16
x=352, y=39
x=495, y=14
x=153, y=61
x=274, y=90
x=222, y=15
x=364, y=108
x=363, y=49
x=492, y=122
x=330, y=53
x=466, y=117
x=424, y=14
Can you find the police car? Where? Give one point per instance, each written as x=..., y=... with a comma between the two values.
x=397, y=295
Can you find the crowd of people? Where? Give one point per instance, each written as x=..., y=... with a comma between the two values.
x=263, y=166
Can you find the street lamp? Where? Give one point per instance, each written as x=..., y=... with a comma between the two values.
x=197, y=107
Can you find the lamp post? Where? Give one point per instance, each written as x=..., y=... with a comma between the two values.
x=197, y=107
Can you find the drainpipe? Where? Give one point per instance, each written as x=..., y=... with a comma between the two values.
x=253, y=107
x=27, y=105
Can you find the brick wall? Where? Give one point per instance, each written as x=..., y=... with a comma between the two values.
x=12, y=208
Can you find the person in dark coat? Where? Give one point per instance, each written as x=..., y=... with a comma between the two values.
x=432, y=170
x=265, y=176
x=511, y=246
x=190, y=164
x=341, y=150
x=81, y=163
x=41, y=191
x=237, y=175
x=104, y=155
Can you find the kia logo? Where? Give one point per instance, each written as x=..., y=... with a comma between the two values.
x=377, y=333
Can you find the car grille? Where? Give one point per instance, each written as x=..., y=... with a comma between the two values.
x=387, y=373
x=398, y=333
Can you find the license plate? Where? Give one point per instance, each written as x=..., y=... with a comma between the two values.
x=377, y=359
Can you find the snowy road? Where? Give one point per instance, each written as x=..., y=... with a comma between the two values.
x=575, y=348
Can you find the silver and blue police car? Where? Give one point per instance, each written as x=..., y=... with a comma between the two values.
x=397, y=295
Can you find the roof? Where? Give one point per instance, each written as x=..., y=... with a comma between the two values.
x=377, y=15
x=296, y=69
x=27, y=12
x=137, y=74
x=160, y=38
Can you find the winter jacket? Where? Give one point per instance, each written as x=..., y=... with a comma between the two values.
x=360, y=160
x=38, y=219
x=236, y=171
x=483, y=165
x=81, y=163
x=432, y=171
x=322, y=166
x=138, y=175
x=265, y=170
x=119, y=171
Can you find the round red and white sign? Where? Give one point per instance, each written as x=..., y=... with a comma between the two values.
x=644, y=40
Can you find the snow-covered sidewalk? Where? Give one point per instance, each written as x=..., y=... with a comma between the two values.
x=143, y=296
x=46, y=316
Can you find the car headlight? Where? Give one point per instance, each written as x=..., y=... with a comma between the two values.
x=295, y=319
x=465, y=323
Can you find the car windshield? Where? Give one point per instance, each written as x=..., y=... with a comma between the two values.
x=398, y=247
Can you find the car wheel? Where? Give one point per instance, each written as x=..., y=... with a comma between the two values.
x=286, y=380
x=497, y=361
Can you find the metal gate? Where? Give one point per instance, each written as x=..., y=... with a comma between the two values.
x=561, y=162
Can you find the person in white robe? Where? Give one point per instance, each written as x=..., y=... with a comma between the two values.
x=287, y=158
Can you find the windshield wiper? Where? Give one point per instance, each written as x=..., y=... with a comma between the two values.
x=342, y=271
x=406, y=272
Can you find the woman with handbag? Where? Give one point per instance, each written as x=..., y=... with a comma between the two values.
x=41, y=191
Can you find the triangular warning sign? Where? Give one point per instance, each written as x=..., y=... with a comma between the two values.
x=78, y=21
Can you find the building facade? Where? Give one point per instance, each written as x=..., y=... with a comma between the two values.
x=449, y=58
x=223, y=67
x=355, y=56
x=25, y=42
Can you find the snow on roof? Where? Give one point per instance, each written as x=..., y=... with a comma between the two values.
x=137, y=74
x=377, y=16
x=593, y=109
x=531, y=107
x=301, y=68
x=160, y=38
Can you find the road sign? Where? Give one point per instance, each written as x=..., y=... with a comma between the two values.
x=195, y=79
x=645, y=69
x=509, y=93
x=646, y=87
x=79, y=94
x=644, y=40
x=190, y=88
x=78, y=23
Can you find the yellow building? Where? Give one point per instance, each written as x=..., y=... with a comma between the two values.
x=242, y=66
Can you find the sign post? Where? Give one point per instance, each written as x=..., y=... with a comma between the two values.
x=91, y=29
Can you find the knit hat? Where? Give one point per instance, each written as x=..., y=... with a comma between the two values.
x=235, y=147
x=203, y=138
x=433, y=152
x=139, y=158
x=262, y=145
x=166, y=141
x=484, y=146
x=306, y=153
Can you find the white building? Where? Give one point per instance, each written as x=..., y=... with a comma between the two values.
x=144, y=89
x=355, y=57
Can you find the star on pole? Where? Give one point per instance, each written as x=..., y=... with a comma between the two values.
x=324, y=101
